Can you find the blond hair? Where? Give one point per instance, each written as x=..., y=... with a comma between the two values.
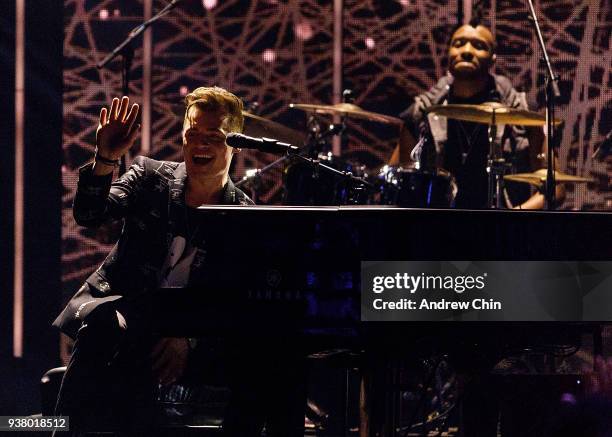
x=215, y=98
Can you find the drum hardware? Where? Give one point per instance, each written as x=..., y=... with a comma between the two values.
x=416, y=154
x=252, y=178
x=317, y=177
x=343, y=185
x=538, y=178
x=251, y=107
x=552, y=94
x=310, y=181
x=349, y=110
x=411, y=187
x=316, y=163
x=496, y=167
x=258, y=126
x=255, y=174
x=492, y=113
x=317, y=140
x=394, y=185
x=483, y=112
x=414, y=188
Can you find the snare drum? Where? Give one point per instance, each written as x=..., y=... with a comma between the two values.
x=412, y=188
x=308, y=184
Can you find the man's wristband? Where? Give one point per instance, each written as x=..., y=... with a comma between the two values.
x=106, y=161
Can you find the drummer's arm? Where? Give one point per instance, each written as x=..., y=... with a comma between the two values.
x=537, y=143
x=401, y=153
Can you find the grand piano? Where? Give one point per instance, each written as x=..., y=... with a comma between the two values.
x=296, y=270
x=301, y=265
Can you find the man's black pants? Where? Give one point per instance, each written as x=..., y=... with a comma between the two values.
x=109, y=385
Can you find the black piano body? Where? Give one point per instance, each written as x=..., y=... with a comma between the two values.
x=297, y=269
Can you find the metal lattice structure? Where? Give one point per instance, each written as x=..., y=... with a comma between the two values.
x=578, y=35
x=392, y=52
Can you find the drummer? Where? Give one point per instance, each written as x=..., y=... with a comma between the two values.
x=461, y=147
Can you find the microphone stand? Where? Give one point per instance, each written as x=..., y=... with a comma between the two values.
x=552, y=93
x=126, y=50
x=496, y=167
x=338, y=173
x=314, y=162
x=257, y=174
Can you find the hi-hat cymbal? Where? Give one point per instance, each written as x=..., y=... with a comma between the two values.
x=258, y=126
x=483, y=113
x=349, y=110
x=538, y=178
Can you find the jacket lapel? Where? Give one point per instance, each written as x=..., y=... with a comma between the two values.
x=229, y=193
x=198, y=267
x=176, y=201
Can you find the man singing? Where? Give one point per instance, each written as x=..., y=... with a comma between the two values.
x=113, y=367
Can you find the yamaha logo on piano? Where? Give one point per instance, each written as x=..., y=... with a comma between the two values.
x=275, y=295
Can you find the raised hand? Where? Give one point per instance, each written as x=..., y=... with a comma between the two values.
x=117, y=129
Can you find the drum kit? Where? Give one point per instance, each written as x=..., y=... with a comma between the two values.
x=314, y=176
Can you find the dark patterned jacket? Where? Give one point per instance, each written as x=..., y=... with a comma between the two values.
x=150, y=198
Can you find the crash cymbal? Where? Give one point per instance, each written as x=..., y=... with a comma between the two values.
x=258, y=126
x=349, y=110
x=538, y=178
x=483, y=112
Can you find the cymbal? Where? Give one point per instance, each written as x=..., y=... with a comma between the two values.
x=483, y=112
x=258, y=126
x=349, y=110
x=538, y=178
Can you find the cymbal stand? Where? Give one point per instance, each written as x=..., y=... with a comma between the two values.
x=317, y=141
x=552, y=94
x=254, y=177
x=496, y=167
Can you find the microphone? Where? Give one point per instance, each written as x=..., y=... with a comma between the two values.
x=604, y=149
x=268, y=145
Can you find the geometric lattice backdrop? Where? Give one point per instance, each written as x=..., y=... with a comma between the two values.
x=274, y=52
x=578, y=37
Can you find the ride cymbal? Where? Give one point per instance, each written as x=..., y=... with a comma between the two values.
x=538, y=178
x=349, y=110
x=483, y=113
x=258, y=126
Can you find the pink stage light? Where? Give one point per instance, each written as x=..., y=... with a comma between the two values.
x=209, y=4
x=303, y=30
x=370, y=43
x=103, y=14
x=183, y=90
x=116, y=13
x=269, y=55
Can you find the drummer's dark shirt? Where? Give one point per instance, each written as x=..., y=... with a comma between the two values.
x=466, y=147
x=466, y=150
